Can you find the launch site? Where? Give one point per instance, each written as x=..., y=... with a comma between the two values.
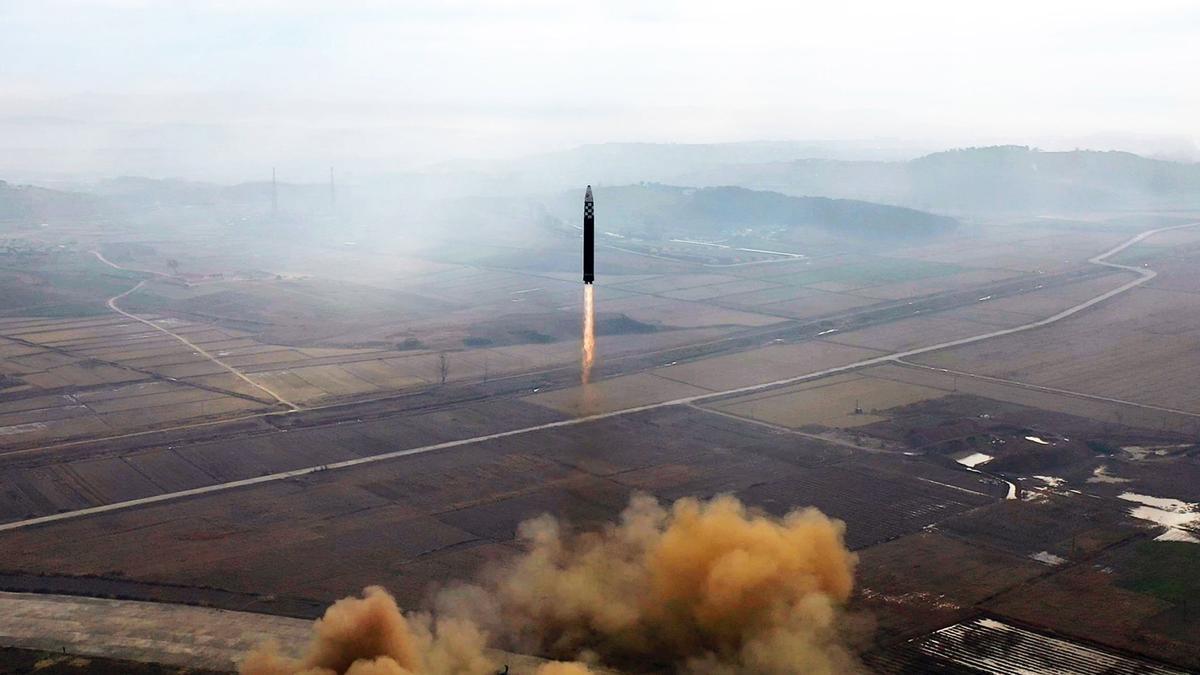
x=477, y=338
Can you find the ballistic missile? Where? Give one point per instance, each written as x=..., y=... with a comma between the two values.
x=589, y=236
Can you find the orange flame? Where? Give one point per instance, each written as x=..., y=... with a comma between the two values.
x=589, y=333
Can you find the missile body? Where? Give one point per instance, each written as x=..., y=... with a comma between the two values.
x=589, y=237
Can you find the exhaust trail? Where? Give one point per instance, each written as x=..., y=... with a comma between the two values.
x=589, y=333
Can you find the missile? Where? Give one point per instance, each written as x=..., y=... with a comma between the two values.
x=589, y=236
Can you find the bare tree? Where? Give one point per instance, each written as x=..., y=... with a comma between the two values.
x=443, y=367
x=174, y=265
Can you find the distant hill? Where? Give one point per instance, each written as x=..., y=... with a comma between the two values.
x=30, y=205
x=620, y=163
x=661, y=211
x=1000, y=178
x=139, y=193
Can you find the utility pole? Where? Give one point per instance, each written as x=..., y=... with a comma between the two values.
x=274, y=194
x=443, y=368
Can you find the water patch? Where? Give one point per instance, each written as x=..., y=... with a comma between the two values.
x=1141, y=452
x=1101, y=475
x=1182, y=519
x=1049, y=485
x=974, y=459
x=1048, y=558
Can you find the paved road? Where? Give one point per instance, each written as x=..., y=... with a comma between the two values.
x=1144, y=275
x=633, y=362
x=157, y=632
x=106, y=261
x=112, y=304
x=149, y=632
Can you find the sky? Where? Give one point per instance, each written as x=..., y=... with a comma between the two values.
x=225, y=89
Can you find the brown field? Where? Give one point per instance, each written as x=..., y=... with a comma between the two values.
x=937, y=543
x=1133, y=347
x=909, y=289
x=817, y=304
x=766, y=364
x=1027, y=249
x=752, y=299
x=719, y=290
x=986, y=314
x=55, y=360
x=205, y=463
x=682, y=314
x=617, y=393
x=421, y=520
x=1098, y=410
x=828, y=402
x=924, y=581
x=906, y=334
x=1071, y=526
x=1043, y=303
x=1085, y=602
x=663, y=284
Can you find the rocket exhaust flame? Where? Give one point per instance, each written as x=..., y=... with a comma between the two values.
x=589, y=333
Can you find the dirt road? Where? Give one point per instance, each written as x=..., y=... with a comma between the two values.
x=1144, y=275
x=112, y=304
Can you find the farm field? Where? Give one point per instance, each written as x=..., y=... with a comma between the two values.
x=1136, y=347
x=447, y=512
x=828, y=402
x=1126, y=598
x=370, y=332
x=992, y=492
x=1104, y=411
x=899, y=577
x=33, y=487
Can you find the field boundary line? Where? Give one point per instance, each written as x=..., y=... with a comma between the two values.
x=1144, y=275
x=112, y=304
x=1048, y=390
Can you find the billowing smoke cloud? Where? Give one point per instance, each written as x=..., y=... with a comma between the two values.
x=370, y=636
x=702, y=587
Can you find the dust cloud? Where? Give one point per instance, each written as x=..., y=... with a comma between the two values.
x=361, y=636
x=700, y=587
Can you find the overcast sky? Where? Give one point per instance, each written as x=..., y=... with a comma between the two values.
x=222, y=89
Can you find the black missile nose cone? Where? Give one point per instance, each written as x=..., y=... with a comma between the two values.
x=587, y=196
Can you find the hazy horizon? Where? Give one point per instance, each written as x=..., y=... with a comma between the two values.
x=223, y=91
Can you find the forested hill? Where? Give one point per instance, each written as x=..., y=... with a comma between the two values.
x=29, y=205
x=652, y=210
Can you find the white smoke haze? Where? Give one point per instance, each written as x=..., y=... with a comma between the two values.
x=700, y=587
x=223, y=91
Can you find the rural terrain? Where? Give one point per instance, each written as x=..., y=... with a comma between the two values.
x=1001, y=408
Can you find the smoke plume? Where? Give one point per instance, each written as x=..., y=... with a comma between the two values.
x=589, y=333
x=368, y=635
x=701, y=587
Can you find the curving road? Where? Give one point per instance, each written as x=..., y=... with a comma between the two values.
x=1144, y=275
x=112, y=304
